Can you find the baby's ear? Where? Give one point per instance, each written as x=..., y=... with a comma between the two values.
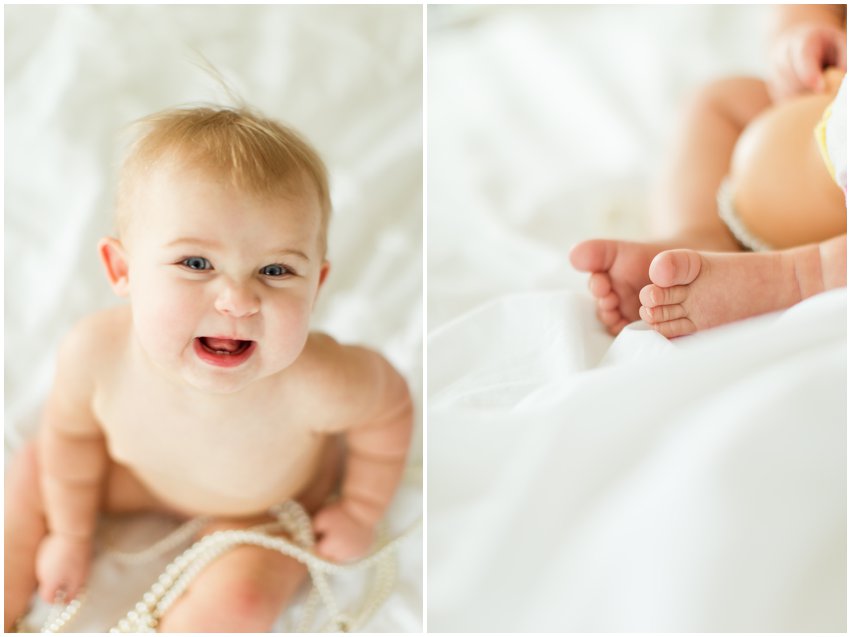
x=114, y=260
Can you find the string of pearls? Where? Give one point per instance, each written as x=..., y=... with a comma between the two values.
x=61, y=614
x=292, y=519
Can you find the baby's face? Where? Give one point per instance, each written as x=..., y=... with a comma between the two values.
x=222, y=284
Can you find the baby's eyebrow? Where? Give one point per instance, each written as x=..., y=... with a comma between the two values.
x=290, y=252
x=204, y=243
x=215, y=245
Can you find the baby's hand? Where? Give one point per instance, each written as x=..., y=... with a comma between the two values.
x=62, y=565
x=341, y=536
x=800, y=56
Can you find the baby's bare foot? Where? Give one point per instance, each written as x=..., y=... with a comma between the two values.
x=692, y=290
x=618, y=272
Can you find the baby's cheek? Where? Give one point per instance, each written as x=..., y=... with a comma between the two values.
x=165, y=318
x=289, y=324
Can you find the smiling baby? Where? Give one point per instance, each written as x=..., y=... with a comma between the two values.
x=207, y=393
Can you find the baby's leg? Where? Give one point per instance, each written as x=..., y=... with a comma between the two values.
x=685, y=214
x=685, y=208
x=247, y=588
x=242, y=591
x=26, y=527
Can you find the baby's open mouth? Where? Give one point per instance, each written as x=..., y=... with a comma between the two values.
x=224, y=352
x=224, y=346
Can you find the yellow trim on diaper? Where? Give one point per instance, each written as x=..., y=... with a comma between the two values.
x=820, y=132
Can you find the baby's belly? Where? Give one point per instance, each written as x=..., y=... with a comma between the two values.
x=226, y=482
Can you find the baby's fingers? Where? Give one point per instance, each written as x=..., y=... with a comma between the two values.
x=337, y=549
x=823, y=49
x=329, y=548
x=320, y=521
x=807, y=64
x=60, y=592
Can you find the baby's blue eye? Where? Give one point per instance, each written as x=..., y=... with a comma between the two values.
x=275, y=270
x=197, y=263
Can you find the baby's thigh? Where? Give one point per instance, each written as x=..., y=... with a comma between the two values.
x=784, y=192
x=23, y=503
x=242, y=591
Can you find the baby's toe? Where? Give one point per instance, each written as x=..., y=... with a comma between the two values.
x=600, y=284
x=661, y=313
x=677, y=327
x=653, y=295
x=594, y=255
x=674, y=267
x=616, y=329
x=608, y=302
x=612, y=320
x=609, y=318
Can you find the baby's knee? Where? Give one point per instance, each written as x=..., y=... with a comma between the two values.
x=738, y=99
x=253, y=607
x=240, y=605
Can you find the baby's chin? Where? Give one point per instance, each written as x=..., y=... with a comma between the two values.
x=189, y=371
x=210, y=380
x=218, y=386
x=216, y=381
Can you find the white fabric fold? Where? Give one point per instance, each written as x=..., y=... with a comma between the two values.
x=688, y=485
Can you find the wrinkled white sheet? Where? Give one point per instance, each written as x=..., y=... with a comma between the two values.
x=629, y=484
x=349, y=78
x=695, y=485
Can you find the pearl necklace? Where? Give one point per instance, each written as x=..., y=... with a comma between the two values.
x=292, y=519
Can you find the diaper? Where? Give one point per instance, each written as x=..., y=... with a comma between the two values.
x=830, y=135
x=728, y=214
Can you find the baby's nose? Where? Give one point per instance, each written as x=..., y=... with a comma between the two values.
x=237, y=301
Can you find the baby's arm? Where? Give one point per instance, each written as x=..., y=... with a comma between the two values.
x=377, y=447
x=72, y=465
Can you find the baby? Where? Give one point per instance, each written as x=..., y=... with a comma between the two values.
x=746, y=175
x=207, y=393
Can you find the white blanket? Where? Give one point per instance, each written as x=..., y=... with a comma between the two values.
x=688, y=486
x=349, y=78
x=629, y=484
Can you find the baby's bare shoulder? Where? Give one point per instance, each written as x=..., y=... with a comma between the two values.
x=349, y=384
x=94, y=342
x=85, y=358
x=334, y=368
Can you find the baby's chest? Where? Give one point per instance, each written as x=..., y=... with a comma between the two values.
x=222, y=451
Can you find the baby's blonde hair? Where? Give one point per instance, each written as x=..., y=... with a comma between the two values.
x=258, y=155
